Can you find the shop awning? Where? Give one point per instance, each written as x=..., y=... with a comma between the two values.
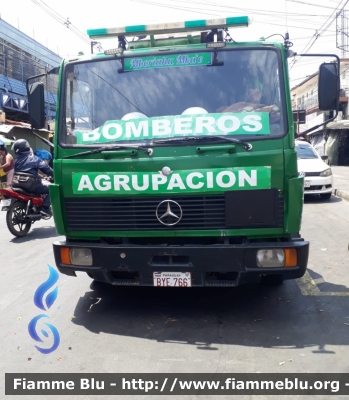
x=343, y=124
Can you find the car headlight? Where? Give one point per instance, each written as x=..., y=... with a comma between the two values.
x=327, y=172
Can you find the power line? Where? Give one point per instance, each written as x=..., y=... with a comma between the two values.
x=273, y=14
x=62, y=20
x=309, y=4
x=214, y=8
x=225, y=7
x=210, y=9
x=292, y=16
x=305, y=77
x=317, y=34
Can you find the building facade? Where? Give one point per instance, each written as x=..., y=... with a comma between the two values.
x=20, y=58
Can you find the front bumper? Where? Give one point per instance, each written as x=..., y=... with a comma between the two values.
x=209, y=265
x=318, y=184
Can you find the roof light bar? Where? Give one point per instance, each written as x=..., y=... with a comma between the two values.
x=113, y=52
x=171, y=27
x=215, y=45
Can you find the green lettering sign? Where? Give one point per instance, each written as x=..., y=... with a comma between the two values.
x=206, y=180
x=246, y=123
x=166, y=61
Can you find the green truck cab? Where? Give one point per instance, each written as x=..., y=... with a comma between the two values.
x=174, y=159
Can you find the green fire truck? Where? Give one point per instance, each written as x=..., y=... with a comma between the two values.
x=174, y=157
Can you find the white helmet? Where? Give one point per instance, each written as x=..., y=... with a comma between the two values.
x=133, y=115
x=194, y=110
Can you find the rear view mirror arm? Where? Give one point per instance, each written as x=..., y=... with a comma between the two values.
x=337, y=97
x=317, y=126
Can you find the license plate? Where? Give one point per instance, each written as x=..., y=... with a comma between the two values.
x=306, y=183
x=172, y=279
x=5, y=204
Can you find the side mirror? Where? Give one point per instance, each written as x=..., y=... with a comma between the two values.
x=324, y=157
x=329, y=85
x=36, y=105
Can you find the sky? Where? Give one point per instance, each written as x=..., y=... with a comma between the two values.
x=311, y=24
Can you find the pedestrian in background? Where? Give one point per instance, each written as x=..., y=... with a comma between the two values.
x=7, y=163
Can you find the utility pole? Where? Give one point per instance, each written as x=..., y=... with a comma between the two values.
x=342, y=32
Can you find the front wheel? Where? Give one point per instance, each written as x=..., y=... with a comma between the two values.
x=16, y=222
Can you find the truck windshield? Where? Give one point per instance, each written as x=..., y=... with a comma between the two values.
x=137, y=99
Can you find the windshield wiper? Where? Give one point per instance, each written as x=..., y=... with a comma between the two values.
x=110, y=148
x=245, y=145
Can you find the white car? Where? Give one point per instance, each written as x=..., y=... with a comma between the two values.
x=318, y=178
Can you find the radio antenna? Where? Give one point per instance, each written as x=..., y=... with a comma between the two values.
x=288, y=44
x=286, y=16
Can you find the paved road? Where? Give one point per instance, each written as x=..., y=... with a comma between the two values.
x=341, y=181
x=301, y=326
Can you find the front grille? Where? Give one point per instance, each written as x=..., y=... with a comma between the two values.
x=317, y=187
x=312, y=173
x=138, y=213
x=237, y=210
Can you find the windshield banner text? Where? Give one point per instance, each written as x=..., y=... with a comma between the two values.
x=251, y=123
x=205, y=180
x=171, y=60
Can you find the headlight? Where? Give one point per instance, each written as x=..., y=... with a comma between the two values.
x=327, y=172
x=270, y=258
x=81, y=256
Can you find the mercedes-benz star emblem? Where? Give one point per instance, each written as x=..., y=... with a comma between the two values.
x=166, y=171
x=172, y=215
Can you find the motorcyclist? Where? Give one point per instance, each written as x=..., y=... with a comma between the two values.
x=28, y=162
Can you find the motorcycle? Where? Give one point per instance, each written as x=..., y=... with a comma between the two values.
x=22, y=207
